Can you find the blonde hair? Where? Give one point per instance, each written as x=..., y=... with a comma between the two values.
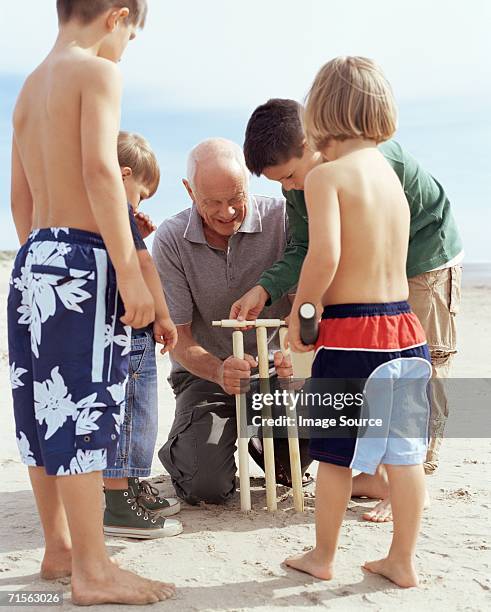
x=135, y=152
x=350, y=98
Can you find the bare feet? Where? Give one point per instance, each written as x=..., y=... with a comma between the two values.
x=56, y=564
x=115, y=585
x=311, y=563
x=374, y=487
x=382, y=512
x=401, y=573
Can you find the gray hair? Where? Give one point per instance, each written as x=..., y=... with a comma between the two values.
x=213, y=149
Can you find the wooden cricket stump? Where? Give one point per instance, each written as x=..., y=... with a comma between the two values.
x=261, y=326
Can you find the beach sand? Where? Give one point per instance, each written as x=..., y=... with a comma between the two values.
x=228, y=561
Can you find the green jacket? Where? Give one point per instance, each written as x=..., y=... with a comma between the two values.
x=433, y=236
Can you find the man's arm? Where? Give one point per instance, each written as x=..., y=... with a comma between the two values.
x=188, y=352
x=197, y=360
x=100, y=115
x=20, y=196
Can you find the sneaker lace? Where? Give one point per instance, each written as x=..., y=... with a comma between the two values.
x=145, y=488
x=141, y=510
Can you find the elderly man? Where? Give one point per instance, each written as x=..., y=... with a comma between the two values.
x=207, y=257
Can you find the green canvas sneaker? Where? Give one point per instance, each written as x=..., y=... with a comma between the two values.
x=149, y=497
x=126, y=517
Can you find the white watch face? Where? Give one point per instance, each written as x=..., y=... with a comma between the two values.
x=307, y=311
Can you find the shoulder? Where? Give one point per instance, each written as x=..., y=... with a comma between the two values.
x=329, y=173
x=401, y=161
x=269, y=205
x=99, y=74
x=272, y=211
x=173, y=228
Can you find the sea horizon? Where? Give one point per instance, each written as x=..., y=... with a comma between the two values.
x=475, y=274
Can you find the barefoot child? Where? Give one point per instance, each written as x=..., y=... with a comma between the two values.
x=275, y=146
x=133, y=507
x=76, y=284
x=356, y=266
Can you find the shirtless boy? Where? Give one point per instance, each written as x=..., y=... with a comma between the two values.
x=76, y=284
x=275, y=146
x=356, y=267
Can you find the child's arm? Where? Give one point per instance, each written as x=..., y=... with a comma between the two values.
x=21, y=197
x=165, y=332
x=324, y=250
x=100, y=113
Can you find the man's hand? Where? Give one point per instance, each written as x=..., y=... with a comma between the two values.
x=145, y=225
x=165, y=332
x=139, y=308
x=232, y=371
x=283, y=365
x=250, y=305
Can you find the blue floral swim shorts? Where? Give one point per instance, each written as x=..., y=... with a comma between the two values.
x=68, y=352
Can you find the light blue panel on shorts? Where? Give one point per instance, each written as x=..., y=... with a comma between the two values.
x=396, y=394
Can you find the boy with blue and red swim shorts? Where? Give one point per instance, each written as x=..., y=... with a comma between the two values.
x=355, y=267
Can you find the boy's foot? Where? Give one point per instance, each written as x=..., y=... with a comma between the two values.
x=119, y=587
x=126, y=517
x=382, y=512
x=430, y=467
x=402, y=574
x=56, y=564
x=374, y=487
x=310, y=563
x=149, y=498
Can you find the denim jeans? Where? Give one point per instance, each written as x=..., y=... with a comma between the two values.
x=139, y=429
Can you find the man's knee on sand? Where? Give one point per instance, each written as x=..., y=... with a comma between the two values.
x=211, y=488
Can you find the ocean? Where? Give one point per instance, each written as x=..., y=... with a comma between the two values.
x=450, y=137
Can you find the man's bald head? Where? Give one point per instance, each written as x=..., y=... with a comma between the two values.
x=218, y=183
x=215, y=155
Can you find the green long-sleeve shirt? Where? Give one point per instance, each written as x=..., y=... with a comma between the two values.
x=433, y=236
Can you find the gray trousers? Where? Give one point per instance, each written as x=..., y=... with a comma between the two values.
x=199, y=453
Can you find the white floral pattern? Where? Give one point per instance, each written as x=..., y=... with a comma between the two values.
x=56, y=230
x=123, y=340
x=86, y=419
x=39, y=291
x=84, y=462
x=118, y=393
x=52, y=403
x=26, y=454
x=16, y=375
x=119, y=418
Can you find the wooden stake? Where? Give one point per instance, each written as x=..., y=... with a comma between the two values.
x=268, y=442
x=242, y=437
x=293, y=442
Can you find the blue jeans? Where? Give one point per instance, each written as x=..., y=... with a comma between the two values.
x=139, y=430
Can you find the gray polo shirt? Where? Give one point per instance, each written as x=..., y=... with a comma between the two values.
x=202, y=282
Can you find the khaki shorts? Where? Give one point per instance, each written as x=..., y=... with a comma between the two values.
x=435, y=299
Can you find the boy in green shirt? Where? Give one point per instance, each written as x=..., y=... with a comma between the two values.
x=275, y=146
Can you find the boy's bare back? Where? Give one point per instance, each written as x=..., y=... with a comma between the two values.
x=52, y=127
x=359, y=200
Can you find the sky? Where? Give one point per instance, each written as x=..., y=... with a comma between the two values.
x=203, y=66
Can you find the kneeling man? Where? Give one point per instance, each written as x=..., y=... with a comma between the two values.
x=207, y=256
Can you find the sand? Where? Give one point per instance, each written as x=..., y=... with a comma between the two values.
x=227, y=561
